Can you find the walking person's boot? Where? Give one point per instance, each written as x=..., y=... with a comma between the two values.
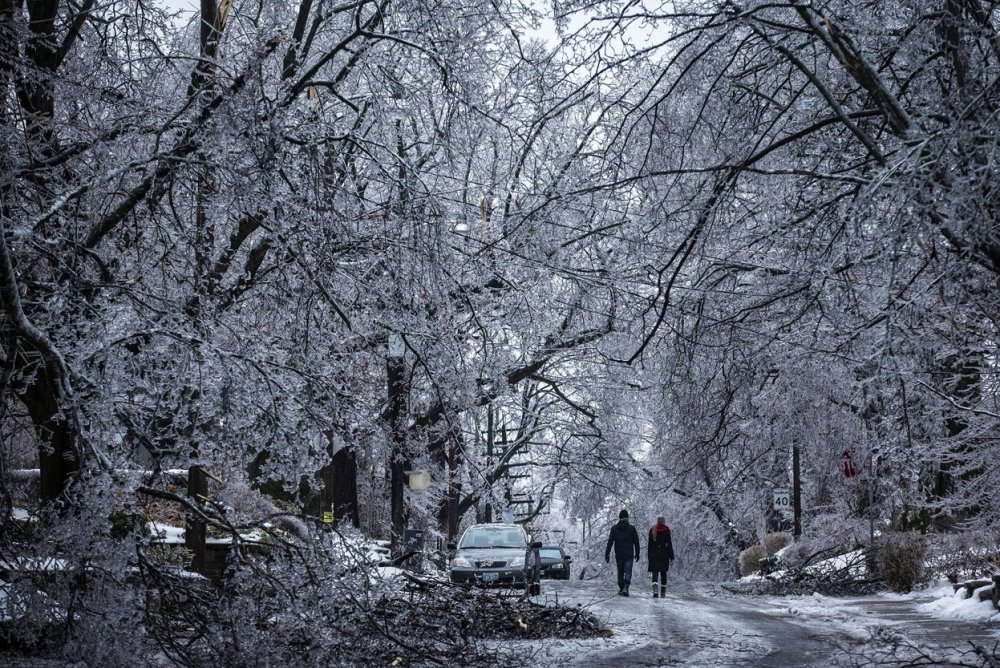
x=655, y=594
x=626, y=591
x=663, y=591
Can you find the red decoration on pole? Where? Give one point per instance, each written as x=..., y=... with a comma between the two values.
x=847, y=465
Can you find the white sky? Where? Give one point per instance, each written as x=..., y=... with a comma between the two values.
x=547, y=31
x=182, y=5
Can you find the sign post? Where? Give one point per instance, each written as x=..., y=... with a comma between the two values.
x=413, y=541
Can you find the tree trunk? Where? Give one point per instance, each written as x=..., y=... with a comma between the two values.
x=398, y=462
x=57, y=459
x=194, y=531
x=340, y=486
x=449, y=511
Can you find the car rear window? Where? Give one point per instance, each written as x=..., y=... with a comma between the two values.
x=550, y=554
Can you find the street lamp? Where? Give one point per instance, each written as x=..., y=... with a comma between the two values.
x=419, y=480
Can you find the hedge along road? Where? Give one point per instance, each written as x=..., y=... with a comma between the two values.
x=698, y=625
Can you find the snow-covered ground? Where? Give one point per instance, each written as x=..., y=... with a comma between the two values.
x=938, y=602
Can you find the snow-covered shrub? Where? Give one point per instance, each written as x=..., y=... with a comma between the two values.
x=964, y=556
x=825, y=536
x=898, y=558
x=775, y=542
x=750, y=559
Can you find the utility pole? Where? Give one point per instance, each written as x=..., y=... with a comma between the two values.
x=796, y=493
x=872, y=456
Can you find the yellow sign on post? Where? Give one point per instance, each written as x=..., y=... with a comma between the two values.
x=328, y=517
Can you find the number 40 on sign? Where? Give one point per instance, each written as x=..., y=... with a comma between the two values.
x=782, y=499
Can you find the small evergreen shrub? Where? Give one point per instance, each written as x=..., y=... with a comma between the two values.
x=898, y=558
x=750, y=559
x=768, y=565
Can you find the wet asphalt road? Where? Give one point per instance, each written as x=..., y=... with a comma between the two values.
x=695, y=627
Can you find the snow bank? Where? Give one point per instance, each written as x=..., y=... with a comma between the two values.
x=938, y=602
x=22, y=515
x=388, y=572
x=34, y=564
x=950, y=604
x=170, y=535
x=350, y=547
x=166, y=533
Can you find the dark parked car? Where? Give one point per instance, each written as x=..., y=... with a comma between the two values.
x=555, y=562
x=495, y=554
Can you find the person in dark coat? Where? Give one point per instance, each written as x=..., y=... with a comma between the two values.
x=659, y=554
x=626, y=541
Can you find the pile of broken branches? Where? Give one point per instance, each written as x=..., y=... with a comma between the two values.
x=354, y=620
x=846, y=577
x=491, y=613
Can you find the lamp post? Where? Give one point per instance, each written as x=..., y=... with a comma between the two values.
x=419, y=480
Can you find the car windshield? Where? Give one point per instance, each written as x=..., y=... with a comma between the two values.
x=550, y=553
x=493, y=538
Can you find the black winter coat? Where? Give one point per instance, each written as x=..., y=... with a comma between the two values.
x=626, y=541
x=661, y=549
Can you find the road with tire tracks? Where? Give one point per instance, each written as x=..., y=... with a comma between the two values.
x=700, y=625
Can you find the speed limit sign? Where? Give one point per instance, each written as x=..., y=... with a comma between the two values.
x=782, y=499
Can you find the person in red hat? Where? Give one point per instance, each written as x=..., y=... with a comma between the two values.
x=659, y=554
